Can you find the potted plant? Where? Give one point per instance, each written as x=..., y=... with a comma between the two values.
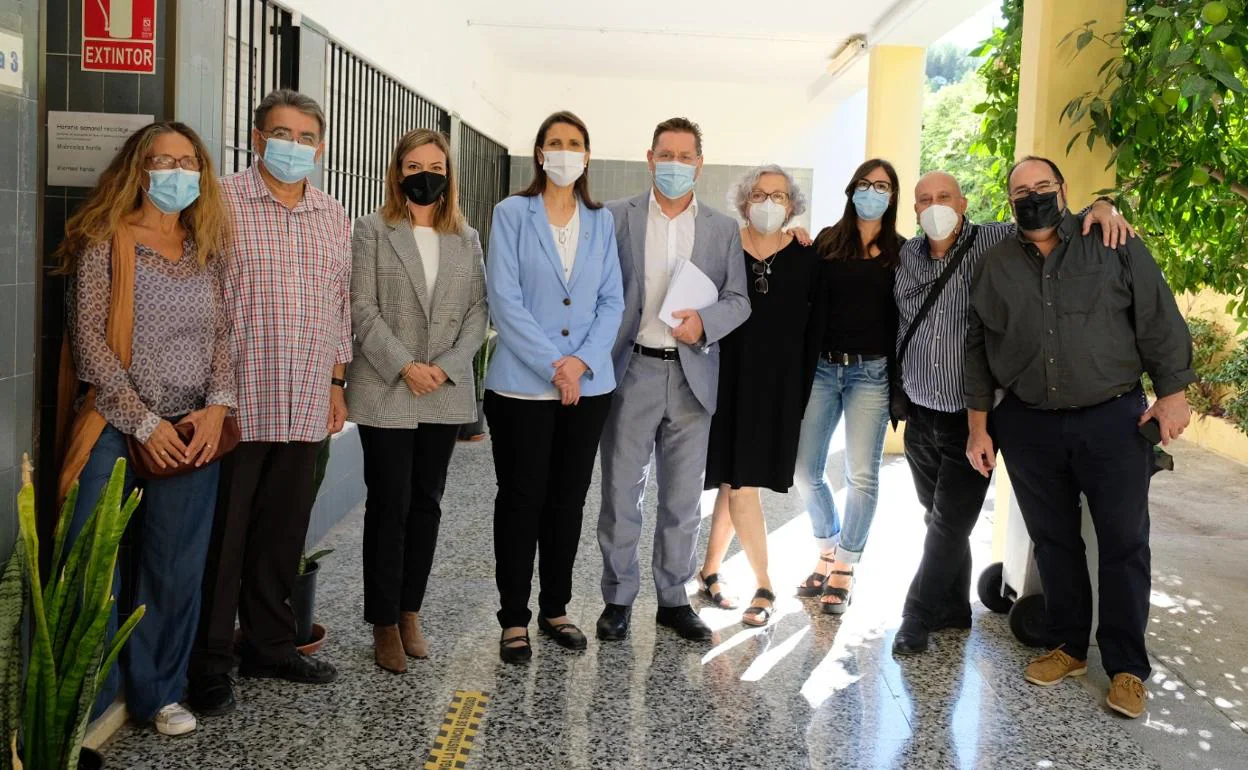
x=309, y=636
x=475, y=431
x=70, y=653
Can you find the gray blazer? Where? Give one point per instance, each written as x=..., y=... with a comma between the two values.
x=395, y=321
x=717, y=252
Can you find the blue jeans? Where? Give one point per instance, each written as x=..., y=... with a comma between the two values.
x=860, y=392
x=172, y=529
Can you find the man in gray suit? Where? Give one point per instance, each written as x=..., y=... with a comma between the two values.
x=668, y=380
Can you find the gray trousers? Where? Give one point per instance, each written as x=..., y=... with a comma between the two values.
x=654, y=413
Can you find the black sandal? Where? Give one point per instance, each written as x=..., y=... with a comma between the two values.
x=846, y=595
x=720, y=601
x=752, y=614
x=813, y=585
x=515, y=649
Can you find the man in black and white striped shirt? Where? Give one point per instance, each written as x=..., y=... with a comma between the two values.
x=951, y=491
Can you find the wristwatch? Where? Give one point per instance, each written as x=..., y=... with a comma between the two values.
x=340, y=383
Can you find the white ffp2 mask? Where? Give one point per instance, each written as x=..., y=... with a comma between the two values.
x=939, y=221
x=767, y=217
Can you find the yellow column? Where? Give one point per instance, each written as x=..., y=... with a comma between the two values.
x=895, y=117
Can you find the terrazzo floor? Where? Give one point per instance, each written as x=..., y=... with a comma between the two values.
x=809, y=691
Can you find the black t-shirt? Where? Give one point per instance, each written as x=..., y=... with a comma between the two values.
x=861, y=315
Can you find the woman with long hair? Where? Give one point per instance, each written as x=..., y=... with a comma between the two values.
x=860, y=253
x=418, y=316
x=766, y=367
x=150, y=364
x=556, y=298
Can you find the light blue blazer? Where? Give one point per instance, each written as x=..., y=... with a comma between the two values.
x=539, y=316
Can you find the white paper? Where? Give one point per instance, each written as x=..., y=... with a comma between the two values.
x=688, y=289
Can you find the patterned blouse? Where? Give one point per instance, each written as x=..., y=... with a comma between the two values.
x=180, y=355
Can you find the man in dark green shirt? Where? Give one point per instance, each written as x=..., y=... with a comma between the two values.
x=1061, y=328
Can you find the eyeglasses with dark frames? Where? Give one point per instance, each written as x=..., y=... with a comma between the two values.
x=167, y=162
x=881, y=187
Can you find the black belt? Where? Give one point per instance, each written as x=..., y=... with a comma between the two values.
x=845, y=359
x=663, y=354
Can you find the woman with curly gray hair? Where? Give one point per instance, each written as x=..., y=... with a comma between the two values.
x=766, y=369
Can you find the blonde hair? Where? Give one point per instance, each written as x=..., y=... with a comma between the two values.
x=120, y=192
x=447, y=218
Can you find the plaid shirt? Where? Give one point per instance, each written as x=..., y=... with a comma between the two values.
x=287, y=291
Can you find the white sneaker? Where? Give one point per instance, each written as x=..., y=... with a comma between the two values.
x=174, y=719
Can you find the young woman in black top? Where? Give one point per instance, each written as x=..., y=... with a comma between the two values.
x=859, y=254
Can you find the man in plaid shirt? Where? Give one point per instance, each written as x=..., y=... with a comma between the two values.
x=288, y=274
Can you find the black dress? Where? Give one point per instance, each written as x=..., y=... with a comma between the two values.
x=766, y=368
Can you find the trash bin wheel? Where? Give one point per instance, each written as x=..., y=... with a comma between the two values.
x=990, y=584
x=1029, y=622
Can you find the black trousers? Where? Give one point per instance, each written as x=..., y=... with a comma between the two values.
x=264, y=502
x=1052, y=457
x=405, y=472
x=544, y=459
x=952, y=494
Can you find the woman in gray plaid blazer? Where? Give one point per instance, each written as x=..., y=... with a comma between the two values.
x=418, y=314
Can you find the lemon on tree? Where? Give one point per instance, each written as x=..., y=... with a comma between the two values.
x=1214, y=13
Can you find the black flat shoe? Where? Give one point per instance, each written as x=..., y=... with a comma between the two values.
x=516, y=649
x=303, y=669
x=613, y=623
x=911, y=638
x=565, y=635
x=684, y=621
x=211, y=695
x=846, y=595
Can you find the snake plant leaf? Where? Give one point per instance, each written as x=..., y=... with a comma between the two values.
x=41, y=676
x=82, y=717
x=119, y=640
x=59, y=535
x=12, y=602
x=76, y=678
x=67, y=594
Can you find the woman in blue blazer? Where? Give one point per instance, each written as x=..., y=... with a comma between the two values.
x=556, y=299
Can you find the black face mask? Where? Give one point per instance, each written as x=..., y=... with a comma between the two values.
x=1038, y=211
x=424, y=188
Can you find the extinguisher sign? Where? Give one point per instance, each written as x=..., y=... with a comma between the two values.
x=119, y=36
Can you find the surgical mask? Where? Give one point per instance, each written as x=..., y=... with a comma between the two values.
x=563, y=167
x=1038, y=211
x=939, y=221
x=172, y=190
x=424, y=187
x=768, y=216
x=674, y=179
x=288, y=161
x=871, y=203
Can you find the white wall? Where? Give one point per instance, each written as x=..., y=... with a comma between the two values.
x=429, y=47
x=840, y=148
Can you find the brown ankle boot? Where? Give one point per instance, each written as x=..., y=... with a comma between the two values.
x=414, y=643
x=388, y=649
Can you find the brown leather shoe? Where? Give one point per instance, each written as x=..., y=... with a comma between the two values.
x=1127, y=695
x=414, y=643
x=1052, y=667
x=388, y=649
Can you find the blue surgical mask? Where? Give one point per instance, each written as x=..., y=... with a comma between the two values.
x=871, y=203
x=174, y=189
x=288, y=161
x=674, y=179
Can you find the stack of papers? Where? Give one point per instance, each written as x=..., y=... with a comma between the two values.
x=688, y=289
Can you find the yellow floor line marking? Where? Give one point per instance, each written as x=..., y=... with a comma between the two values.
x=458, y=731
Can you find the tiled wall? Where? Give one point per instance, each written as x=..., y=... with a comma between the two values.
x=19, y=152
x=612, y=179
x=69, y=88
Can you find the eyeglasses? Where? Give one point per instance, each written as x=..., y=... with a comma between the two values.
x=761, y=271
x=667, y=156
x=166, y=162
x=1041, y=188
x=862, y=185
x=779, y=196
x=286, y=135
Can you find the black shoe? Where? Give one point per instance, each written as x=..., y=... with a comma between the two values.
x=684, y=621
x=911, y=638
x=565, y=634
x=961, y=620
x=211, y=695
x=517, y=649
x=613, y=622
x=300, y=668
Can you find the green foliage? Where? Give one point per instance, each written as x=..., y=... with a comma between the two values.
x=308, y=561
x=1232, y=374
x=1209, y=343
x=1002, y=53
x=481, y=361
x=947, y=64
x=70, y=655
x=949, y=129
x=12, y=599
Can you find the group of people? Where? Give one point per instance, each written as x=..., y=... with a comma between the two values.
x=223, y=328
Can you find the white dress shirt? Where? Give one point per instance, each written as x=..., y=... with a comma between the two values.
x=668, y=241
x=430, y=255
x=565, y=242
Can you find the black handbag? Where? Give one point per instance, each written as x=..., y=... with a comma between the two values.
x=898, y=401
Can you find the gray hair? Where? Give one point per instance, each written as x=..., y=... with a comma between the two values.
x=739, y=195
x=285, y=97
